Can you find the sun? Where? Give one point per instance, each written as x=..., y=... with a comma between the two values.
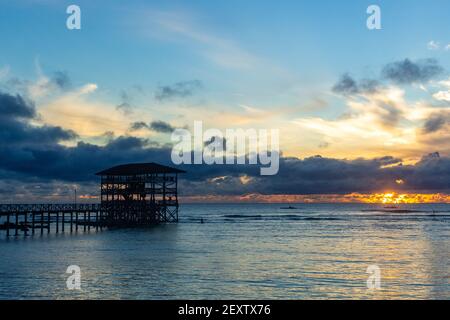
x=394, y=198
x=404, y=198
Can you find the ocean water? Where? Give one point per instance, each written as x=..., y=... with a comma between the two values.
x=242, y=251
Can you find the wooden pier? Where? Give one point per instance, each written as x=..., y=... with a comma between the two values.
x=138, y=194
x=29, y=219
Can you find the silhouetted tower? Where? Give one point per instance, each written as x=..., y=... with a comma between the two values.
x=139, y=194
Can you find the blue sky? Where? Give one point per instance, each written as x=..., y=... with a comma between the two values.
x=311, y=42
x=311, y=69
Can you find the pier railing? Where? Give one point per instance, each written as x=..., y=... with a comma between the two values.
x=27, y=218
x=22, y=208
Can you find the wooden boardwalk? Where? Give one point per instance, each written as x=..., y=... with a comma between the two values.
x=27, y=219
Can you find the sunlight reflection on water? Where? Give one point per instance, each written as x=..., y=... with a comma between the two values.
x=242, y=251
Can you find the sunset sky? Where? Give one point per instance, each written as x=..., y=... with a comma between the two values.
x=374, y=104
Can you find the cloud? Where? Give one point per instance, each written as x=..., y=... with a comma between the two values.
x=15, y=107
x=35, y=156
x=372, y=113
x=380, y=122
x=33, y=152
x=400, y=72
x=15, y=115
x=349, y=86
x=161, y=126
x=86, y=89
x=319, y=175
x=138, y=126
x=436, y=122
x=346, y=85
x=379, y=118
x=408, y=72
x=78, y=110
x=216, y=142
x=443, y=95
x=45, y=85
x=433, y=45
x=178, y=90
x=157, y=126
x=313, y=175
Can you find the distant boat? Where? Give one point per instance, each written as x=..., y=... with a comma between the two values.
x=288, y=208
x=391, y=207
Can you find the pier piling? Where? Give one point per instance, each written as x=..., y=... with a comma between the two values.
x=7, y=224
x=25, y=224
x=16, y=225
x=33, y=218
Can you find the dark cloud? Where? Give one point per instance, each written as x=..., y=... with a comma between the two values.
x=157, y=126
x=216, y=141
x=177, y=90
x=161, y=126
x=15, y=129
x=401, y=72
x=369, y=85
x=436, y=122
x=318, y=175
x=314, y=175
x=20, y=141
x=78, y=163
x=33, y=156
x=138, y=126
x=349, y=86
x=346, y=85
x=408, y=72
x=15, y=107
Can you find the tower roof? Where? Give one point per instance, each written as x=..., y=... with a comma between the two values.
x=138, y=168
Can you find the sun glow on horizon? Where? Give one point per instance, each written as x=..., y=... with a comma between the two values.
x=405, y=198
x=375, y=198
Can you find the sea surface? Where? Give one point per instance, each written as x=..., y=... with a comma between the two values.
x=243, y=251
